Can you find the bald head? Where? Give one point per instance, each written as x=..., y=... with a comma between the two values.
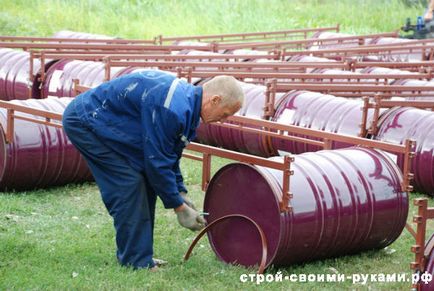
x=222, y=97
x=227, y=87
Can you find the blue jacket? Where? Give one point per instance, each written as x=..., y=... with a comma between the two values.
x=147, y=117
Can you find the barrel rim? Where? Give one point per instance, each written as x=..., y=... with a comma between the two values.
x=272, y=185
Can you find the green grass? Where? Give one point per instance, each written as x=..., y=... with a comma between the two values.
x=146, y=19
x=62, y=238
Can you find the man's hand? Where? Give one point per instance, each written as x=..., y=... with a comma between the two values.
x=187, y=200
x=189, y=218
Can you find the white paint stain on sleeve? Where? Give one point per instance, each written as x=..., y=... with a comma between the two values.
x=145, y=94
x=148, y=91
x=131, y=87
x=153, y=116
x=95, y=113
x=127, y=90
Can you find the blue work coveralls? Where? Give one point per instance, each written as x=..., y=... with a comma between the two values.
x=131, y=131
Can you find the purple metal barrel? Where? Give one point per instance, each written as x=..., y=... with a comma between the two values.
x=385, y=71
x=188, y=52
x=324, y=35
x=429, y=264
x=214, y=135
x=345, y=201
x=237, y=140
x=334, y=72
x=388, y=40
x=303, y=58
x=249, y=52
x=394, y=56
x=415, y=82
x=190, y=43
x=397, y=125
x=15, y=82
x=40, y=155
x=59, y=77
x=80, y=35
x=253, y=108
x=317, y=111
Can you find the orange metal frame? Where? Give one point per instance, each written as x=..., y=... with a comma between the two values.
x=247, y=36
x=49, y=118
x=419, y=249
x=73, y=40
x=346, y=77
x=233, y=67
x=109, y=56
x=375, y=101
x=217, y=42
x=424, y=47
x=266, y=128
x=160, y=39
x=356, y=40
x=229, y=65
x=277, y=130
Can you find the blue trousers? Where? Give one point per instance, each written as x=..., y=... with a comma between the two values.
x=124, y=191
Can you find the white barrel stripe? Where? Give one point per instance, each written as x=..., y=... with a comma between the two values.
x=170, y=93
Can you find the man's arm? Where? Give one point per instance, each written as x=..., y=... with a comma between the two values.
x=179, y=178
x=161, y=128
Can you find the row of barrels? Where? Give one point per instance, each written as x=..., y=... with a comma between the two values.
x=332, y=114
x=302, y=108
x=345, y=200
x=14, y=77
x=16, y=81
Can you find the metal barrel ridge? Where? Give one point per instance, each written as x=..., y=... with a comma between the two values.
x=40, y=155
x=344, y=202
x=400, y=123
x=317, y=111
x=59, y=77
x=15, y=74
